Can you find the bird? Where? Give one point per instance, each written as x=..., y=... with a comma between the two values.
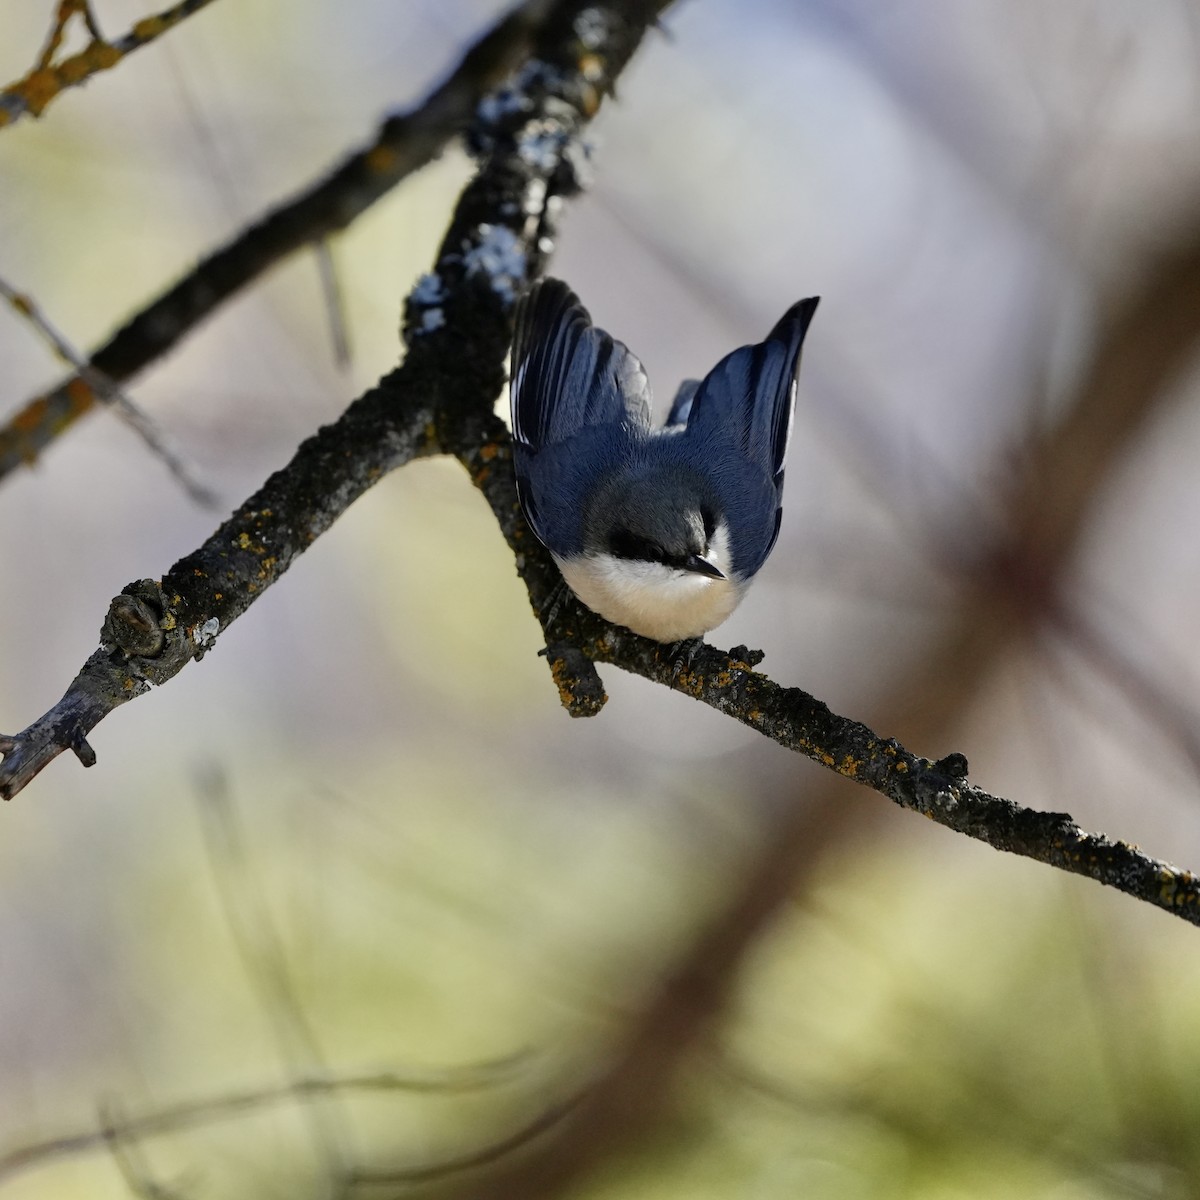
x=659, y=530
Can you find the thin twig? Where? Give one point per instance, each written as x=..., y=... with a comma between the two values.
x=335, y=303
x=123, y=405
x=440, y=400
x=457, y=328
x=129, y=1157
x=404, y=143
x=192, y=1113
x=478, y=1157
x=264, y=960
x=31, y=95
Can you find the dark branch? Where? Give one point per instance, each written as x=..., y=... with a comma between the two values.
x=31, y=95
x=527, y=136
x=457, y=323
x=403, y=144
x=195, y=1113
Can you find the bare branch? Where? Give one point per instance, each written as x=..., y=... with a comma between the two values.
x=440, y=399
x=138, y=420
x=193, y=1113
x=1150, y=332
x=264, y=960
x=482, y=1156
x=31, y=95
x=457, y=325
x=404, y=143
x=128, y=1157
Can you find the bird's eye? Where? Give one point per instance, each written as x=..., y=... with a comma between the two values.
x=710, y=522
x=626, y=544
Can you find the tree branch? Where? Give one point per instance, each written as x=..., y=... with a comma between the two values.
x=439, y=399
x=527, y=135
x=404, y=143
x=31, y=95
x=197, y=1113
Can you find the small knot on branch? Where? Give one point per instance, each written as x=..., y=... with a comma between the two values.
x=747, y=657
x=133, y=623
x=82, y=749
x=579, y=685
x=953, y=765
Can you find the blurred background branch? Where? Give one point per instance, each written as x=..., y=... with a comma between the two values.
x=740, y=977
x=404, y=143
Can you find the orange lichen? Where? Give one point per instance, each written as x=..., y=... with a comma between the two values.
x=381, y=160
x=591, y=67
x=30, y=418
x=99, y=56
x=37, y=89
x=80, y=396
x=151, y=27
x=21, y=303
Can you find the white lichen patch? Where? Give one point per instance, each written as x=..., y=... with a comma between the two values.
x=205, y=635
x=498, y=254
x=431, y=319
x=534, y=200
x=429, y=289
x=506, y=99
x=592, y=28
x=541, y=144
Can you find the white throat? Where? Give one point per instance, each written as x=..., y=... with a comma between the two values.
x=655, y=600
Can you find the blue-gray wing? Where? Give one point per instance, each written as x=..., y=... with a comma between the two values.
x=745, y=406
x=566, y=374
x=577, y=397
x=751, y=393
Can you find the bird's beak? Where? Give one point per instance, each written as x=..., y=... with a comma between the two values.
x=701, y=566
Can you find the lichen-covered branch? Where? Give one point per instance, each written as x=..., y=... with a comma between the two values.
x=403, y=144
x=727, y=682
x=527, y=136
x=30, y=96
x=440, y=399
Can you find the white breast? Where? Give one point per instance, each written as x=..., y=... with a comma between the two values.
x=654, y=600
x=649, y=598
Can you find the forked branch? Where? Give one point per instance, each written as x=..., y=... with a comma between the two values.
x=528, y=135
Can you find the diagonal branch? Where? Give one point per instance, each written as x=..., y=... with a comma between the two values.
x=457, y=323
x=440, y=400
x=403, y=144
x=140, y=422
x=31, y=95
x=305, y=1088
